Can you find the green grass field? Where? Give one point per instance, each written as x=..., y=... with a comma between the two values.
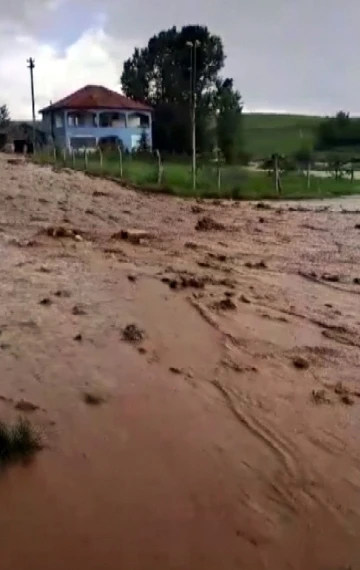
x=265, y=134
x=236, y=182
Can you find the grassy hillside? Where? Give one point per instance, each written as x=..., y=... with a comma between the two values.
x=265, y=134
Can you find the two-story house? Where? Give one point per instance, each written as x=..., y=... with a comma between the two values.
x=94, y=114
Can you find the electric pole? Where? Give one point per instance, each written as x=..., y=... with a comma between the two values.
x=31, y=65
x=193, y=45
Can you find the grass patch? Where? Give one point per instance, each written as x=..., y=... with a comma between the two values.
x=18, y=442
x=237, y=182
x=266, y=133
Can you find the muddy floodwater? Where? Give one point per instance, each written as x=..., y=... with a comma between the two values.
x=195, y=382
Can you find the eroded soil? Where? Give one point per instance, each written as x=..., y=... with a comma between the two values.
x=198, y=391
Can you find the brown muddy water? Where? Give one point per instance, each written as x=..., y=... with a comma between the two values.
x=225, y=432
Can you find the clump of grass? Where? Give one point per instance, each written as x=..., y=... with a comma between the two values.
x=18, y=442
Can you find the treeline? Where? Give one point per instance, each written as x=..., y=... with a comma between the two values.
x=339, y=132
x=174, y=71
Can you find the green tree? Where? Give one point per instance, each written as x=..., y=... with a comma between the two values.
x=161, y=74
x=4, y=116
x=228, y=109
x=303, y=158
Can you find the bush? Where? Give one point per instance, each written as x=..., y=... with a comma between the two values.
x=18, y=441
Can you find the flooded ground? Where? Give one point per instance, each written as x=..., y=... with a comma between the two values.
x=222, y=429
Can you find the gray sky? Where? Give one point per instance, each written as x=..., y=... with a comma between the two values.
x=284, y=55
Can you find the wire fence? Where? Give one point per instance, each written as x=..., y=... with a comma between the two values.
x=148, y=169
x=214, y=179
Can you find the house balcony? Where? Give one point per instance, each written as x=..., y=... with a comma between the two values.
x=107, y=119
x=88, y=129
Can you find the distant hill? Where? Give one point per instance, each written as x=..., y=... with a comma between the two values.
x=265, y=133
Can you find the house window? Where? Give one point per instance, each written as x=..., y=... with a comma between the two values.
x=82, y=143
x=81, y=119
x=114, y=120
x=138, y=120
x=59, y=121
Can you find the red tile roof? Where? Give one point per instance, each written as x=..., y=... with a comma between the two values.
x=96, y=97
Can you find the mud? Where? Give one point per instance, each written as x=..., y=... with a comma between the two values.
x=211, y=447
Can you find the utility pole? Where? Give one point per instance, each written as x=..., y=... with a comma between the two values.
x=31, y=65
x=193, y=45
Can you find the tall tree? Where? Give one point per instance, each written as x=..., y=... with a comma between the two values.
x=228, y=109
x=161, y=75
x=4, y=116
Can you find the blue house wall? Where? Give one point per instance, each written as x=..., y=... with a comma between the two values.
x=66, y=133
x=58, y=133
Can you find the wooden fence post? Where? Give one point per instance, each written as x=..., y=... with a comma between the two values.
x=277, y=173
x=120, y=161
x=218, y=160
x=85, y=159
x=160, y=167
x=308, y=175
x=101, y=158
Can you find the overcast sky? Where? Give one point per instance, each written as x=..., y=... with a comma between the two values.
x=284, y=55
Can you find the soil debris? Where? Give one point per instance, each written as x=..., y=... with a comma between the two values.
x=133, y=236
x=319, y=397
x=44, y=269
x=218, y=256
x=78, y=310
x=191, y=245
x=344, y=394
x=93, y=398
x=256, y=265
x=59, y=232
x=347, y=400
x=185, y=281
x=175, y=370
x=46, y=301
x=62, y=293
x=208, y=224
x=263, y=206
x=300, y=363
x=196, y=209
x=62, y=232
x=226, y=304
x=330, y=278
x=133, y=333
x=25, y=406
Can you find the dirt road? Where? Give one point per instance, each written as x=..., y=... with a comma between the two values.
x=226, y=430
